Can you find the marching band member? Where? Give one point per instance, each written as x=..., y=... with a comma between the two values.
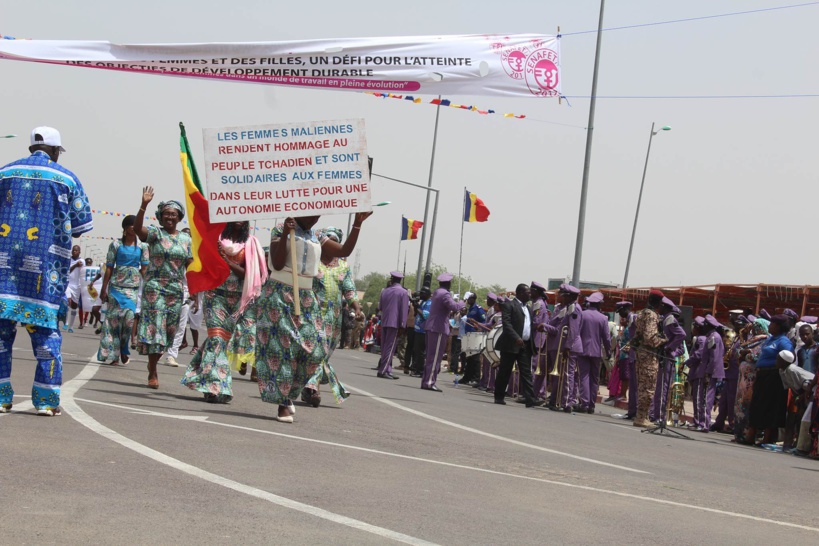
x=475, y=316
x=594, y=332
x=540, y=315
x=710, y=370
x=675, y=336
x=394, y=308
x=693, y=363
x=437, y=328
x=493, y=317
x=628, y=358
x=570, y=317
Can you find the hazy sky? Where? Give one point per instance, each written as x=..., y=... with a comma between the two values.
x=725, y=191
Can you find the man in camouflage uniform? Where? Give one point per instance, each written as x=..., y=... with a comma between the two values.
x=647, y=340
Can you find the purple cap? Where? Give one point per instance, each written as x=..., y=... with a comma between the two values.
x=569, y=289
x=810, y=319
x=675, y=310
x=491, y=296
x=597, y=297
x=764, y=314
x=699, y=321
x=790, y=313
x=396, y=275
x=668, y=302
x=501, y=299
x=712, y=321
x=751, y=318
x=445, y=277
x=621, y=304
x=539, y=286
x=741, y=319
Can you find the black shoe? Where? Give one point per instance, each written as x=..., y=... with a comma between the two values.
x=629, y=417
x=715, y=428
x=521, y=401
x=577, y=408
x=406, y=371
x=416, y=374
x=386, y=376
x=554, y=408
x=567, y=409
x=432, y=388
x=500, y=401
x=590, y=410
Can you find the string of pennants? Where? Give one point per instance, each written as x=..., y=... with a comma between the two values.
x=123, y=214
x=444, y=102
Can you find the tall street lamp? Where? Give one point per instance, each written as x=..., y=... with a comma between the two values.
x=639, y=200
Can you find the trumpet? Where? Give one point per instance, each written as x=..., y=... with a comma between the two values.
x=675, y=407
x=556, y=371
x=728, y=338
x=538, y=368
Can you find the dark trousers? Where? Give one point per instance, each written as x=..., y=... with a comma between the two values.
x=524, y=362
x=455, y=355
x=419, y=352
x=472, y=369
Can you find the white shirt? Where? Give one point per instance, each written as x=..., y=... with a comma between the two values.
x=527, y=322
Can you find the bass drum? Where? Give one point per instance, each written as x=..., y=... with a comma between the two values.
x=473, y=343
x=490, y=352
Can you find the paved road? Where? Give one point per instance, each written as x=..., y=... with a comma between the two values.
x=392, y=464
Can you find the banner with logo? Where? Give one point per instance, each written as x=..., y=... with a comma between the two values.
x=288, y=169
x=523, y=65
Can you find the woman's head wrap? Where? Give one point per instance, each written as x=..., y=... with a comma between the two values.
x=335, y=233
x=761, y=326
x=174, y=205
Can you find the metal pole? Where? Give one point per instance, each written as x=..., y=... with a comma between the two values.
x=418, y=277
x=581, y=221
x=432, y=232
x=461, y=254
x=637, y=213
x=349, y=224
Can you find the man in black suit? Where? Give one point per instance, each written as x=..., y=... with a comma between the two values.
x=515, y=345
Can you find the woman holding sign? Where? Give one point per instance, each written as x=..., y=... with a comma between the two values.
x=289, y=344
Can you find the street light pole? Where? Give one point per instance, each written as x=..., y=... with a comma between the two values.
x=584, y=187
x=639, y=200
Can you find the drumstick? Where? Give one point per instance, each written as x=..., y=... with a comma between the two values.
x=293, y=266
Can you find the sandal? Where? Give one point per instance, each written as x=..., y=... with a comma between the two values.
x=194, y=350
x=133, y=345
x=243, y=368
x=184, y=345
x=50, y=412
x=153, y=384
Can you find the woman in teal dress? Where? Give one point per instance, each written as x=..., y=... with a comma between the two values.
x=169, y=253
x=209, y=371
x=290, y=348
x=333, y=284
x=125, y=266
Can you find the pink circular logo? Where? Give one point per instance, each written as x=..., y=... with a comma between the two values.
x=541, y=72
x=514, y=61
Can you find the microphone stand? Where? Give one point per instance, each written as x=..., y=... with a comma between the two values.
x=662, y=429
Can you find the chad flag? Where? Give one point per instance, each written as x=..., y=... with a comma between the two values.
x=207, y=270
x=474, y=209
x=409, y=228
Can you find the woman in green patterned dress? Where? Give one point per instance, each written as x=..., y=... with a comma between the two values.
x=125, y=264
x=169, y=253
x=209, y=371
x=333, y=284
x=289, y=348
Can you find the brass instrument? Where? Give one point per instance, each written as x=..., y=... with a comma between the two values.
x=556, y=371
x=728, y=338
x=538, y=367
x=675, y=407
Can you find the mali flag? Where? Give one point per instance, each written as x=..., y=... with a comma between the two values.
x=474, y=209
x=409, y=228
x=207, y=270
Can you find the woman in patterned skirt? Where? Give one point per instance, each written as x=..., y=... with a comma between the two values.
x=126, y=263
x=209, y=371
x=333, y=284
x=169, y=253
x=748, y=354
x=289, y=348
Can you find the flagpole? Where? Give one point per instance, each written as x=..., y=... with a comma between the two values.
x=461, y=254
x=426, y=207
x=405, y=263
x=400, y=238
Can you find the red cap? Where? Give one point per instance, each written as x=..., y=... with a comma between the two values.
x=656, y=293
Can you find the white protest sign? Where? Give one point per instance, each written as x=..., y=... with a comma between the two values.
x=290, y=169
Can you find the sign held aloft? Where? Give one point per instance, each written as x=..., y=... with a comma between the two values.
x=516, y=65
x=289, y=169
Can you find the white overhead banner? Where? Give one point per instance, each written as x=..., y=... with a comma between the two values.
x=289, y=169
x=522, y=65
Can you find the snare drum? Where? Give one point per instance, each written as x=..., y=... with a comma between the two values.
x=490, y=352
x=473, y=343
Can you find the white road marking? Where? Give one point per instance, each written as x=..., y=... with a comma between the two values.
x=489, y=434
x=70, y=406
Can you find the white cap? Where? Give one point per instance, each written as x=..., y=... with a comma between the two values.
x=787, y=356
x=468, y=295
x=48, y=136
x=456, y=297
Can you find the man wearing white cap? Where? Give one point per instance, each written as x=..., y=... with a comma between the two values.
x=43, y=207
x=394, y=307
